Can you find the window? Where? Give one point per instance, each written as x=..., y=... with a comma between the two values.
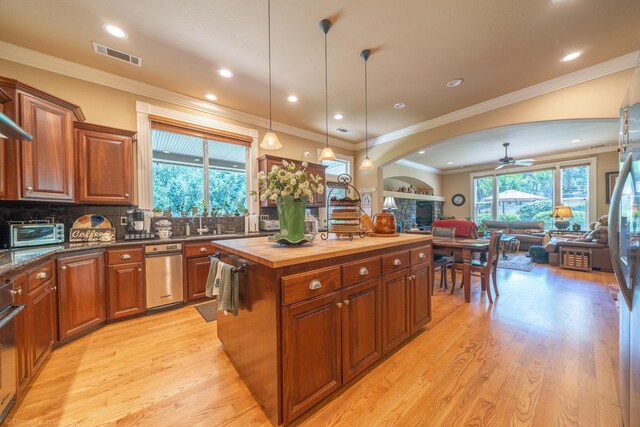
x=532, y=194
x=337, y=167
x=575, y=193
x=190, y=171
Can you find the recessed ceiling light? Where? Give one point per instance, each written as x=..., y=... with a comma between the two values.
x=338, y=116
x=115, y=31
x=454, y=82
x=576, y=140
x=571, y=56
x=225, y=73
x=165, y=151
x=449, y=163
x=211, y=97
x=399, y=105
x=421, y=152
x=292, y=98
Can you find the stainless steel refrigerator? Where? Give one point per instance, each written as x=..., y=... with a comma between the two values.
x=624, y=241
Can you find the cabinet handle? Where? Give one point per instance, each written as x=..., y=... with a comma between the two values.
x=18, y=292
x=339, y=305
x=413, y=277
x=53, y=288
x=64, y=267
x=422, y=255
x=126, y=195
x=41, y=275
x=364, y=271
x=397, y=261
x=346, y=302
x=125, y=256
x=409, y=278
x=29, y=189
x=315, y=284
x=203, y=249
x=139, y=269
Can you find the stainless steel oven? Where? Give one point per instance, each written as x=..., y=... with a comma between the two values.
x=22, y=234
x=8, y=313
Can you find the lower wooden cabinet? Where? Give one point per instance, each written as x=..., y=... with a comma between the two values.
x=361, y=327
x=41, y=324
x=81, y=294
x=395, y=309
x=23, y=365
x=197, y=273
x=126, y=291
x=420, y=285
x=311, y=352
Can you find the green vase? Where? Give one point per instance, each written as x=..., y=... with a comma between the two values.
x=291, y=213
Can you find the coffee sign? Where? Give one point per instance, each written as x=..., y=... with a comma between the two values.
x=92, y=235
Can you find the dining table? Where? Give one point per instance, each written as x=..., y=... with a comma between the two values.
x=465, y=249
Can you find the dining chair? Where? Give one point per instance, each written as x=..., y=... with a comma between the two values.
x=486, y=269
x=443, y=259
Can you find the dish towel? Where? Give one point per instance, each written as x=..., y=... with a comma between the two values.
x=228, y=298
x=213, y=279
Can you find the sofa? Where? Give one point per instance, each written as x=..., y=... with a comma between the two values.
x=528, y=233
x=600, y=255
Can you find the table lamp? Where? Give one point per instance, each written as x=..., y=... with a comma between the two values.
x=559, y=214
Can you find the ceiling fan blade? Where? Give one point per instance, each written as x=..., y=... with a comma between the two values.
x=526, y=160
x=501, y=165
x=523, y=163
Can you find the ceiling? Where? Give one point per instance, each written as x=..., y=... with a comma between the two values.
x=418, y=45
x=527, y=141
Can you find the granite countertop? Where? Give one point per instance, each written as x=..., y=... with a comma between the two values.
x=14, y=259
x=272, y=255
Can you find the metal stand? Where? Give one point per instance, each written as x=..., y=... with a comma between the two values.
x=342, y=213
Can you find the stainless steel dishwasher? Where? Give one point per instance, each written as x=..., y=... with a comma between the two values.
x=163, y=274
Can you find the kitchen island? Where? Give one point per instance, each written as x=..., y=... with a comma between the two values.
x=312, y=318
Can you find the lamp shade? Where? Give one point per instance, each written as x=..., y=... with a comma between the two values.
x=327, y=154
x=367, y=164
x=270, y=141
x=389, y=203
x=562, y=212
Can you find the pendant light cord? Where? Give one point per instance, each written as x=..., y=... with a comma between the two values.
x=269, y=21
x=326, y=92
x=366, y=114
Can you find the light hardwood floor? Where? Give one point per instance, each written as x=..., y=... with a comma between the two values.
x=545, y=354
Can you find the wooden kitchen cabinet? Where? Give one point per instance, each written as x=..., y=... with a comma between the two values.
x=420, y=310
x=267, y=161
x=395, y=309
x=23, y=364
x=311, y=352
x=41, y=328
x=126, y=291
x=361, y=327
x=42, y=169
x=104, y=164
x=197, y=274
x=4, y=98
x=81, y=294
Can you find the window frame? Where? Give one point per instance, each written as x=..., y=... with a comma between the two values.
x=557, y=183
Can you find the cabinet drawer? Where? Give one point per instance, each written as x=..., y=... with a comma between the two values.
x=198, y=249
x=301, y=286
x=39, y=275
x=396, y=261
x=124, y=256
x=355, y=272
x=421, y=256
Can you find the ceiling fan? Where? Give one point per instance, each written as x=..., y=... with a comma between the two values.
x=510, y=161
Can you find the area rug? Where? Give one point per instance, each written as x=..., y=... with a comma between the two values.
x=208, y=311
x=517, y=262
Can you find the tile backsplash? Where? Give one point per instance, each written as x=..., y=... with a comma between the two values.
x=221, y=225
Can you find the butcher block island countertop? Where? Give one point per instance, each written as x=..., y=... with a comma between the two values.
x=313, y=318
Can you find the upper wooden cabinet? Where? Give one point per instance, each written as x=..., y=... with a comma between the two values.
x=266, y=162
x=41, y=169
x=103, y=164
x=4, y=98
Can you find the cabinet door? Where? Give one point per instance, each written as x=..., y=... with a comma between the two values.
x=3, y=168
x=23, y=365
x=197, y=273
x=361, y=327
x=420, y=298
x=41, y=324
x=81, y=294
x=103, y=167
x=47, y=161
x=310, y=353
x=395, y=309
x=126, y=291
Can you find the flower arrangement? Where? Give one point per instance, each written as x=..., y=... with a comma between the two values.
x=289, y=180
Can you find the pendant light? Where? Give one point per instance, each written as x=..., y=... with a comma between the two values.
x=367, y=164
x=327, y=153
x=270, y=140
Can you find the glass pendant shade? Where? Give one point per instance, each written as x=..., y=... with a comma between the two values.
x=367, y=164
x=327, y=154
x=270, y=141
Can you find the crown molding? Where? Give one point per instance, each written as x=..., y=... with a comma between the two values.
x=53, y=64
x=541, y=160
x=418, y=166
x=606, y=68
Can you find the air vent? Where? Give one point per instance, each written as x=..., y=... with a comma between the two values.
x=343, y=130
x=116, y=54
